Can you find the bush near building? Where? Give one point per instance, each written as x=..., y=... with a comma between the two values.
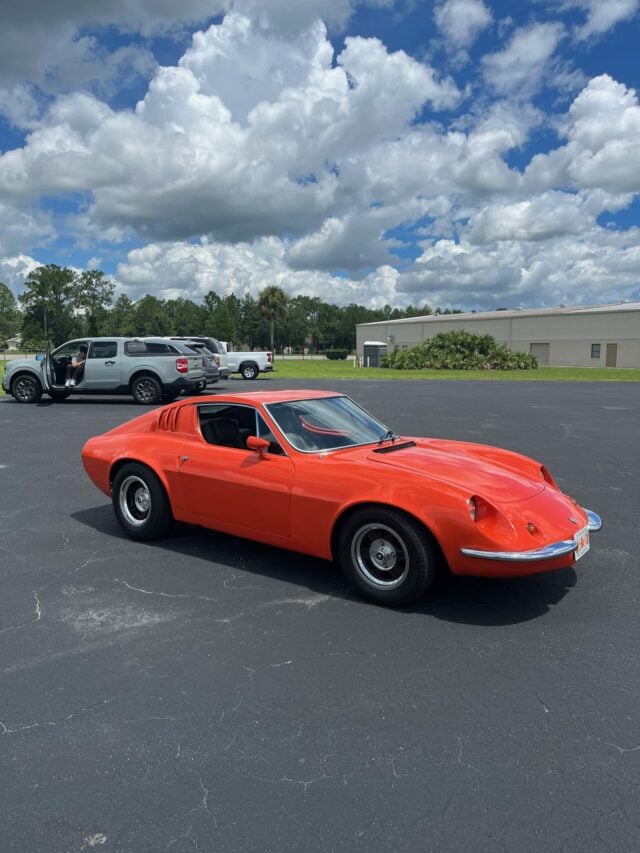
x=460, y=350
x=337, y=354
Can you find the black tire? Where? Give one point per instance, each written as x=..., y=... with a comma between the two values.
x=387, y=555
x=146, y=390
x=140, y=503
x=26, y=388
x=250, y=370
x=58, y=396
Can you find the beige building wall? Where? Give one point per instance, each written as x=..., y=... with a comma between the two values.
x=575, y=338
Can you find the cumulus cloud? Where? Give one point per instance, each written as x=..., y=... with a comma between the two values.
x=521, y=66
x=204, y=155
x=552, y=214
x=21, y=228
x=171, y=270
x=266, y=156
x=601, y=17
x=597, y=266
x=603, y=147
x=60, y=52
x=461, y=21
x=14, y=269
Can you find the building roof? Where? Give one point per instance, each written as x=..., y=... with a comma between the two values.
x=518, y=312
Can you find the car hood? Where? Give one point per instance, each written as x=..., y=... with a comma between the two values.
x=29, y=361
x=488, y=471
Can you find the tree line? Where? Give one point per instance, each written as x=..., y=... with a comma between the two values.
x=59, y=303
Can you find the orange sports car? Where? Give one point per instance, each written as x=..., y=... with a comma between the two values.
x=314, y=472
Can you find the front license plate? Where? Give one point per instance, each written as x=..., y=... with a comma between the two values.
x=582, y=540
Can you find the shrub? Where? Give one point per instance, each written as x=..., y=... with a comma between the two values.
x=337, y=354
x=460, y=350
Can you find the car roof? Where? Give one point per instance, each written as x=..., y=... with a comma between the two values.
x=263, y=397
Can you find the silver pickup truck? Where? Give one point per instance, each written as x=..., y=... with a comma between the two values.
x=152, y=370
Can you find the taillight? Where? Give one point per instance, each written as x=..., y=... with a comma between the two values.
x=269, y=357
x=217, y=360
x=182, y=365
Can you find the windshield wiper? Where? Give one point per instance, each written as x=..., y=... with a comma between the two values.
x=389, y=435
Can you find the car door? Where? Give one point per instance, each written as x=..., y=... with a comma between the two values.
x=102, y=367
x=236, y=487
x=59, y=359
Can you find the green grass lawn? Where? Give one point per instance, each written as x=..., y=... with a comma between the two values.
x=321, y=369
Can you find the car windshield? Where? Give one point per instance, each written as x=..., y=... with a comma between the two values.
x=326, y=423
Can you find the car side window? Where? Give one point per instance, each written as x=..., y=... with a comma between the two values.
x=159, y=349
x=69, y=349
x=103, y=349
x=135, y=348
x=227, y=425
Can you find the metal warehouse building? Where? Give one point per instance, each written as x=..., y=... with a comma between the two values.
x=592, y=336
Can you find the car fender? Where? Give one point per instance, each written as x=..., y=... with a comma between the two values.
x=322, y=500
x=145, y=370
x=103, y=458
x=40, y=374
x=426, y=505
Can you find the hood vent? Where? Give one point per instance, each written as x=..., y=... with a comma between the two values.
x=392, y=447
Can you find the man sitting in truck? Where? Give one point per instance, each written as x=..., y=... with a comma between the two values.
x=75, y=368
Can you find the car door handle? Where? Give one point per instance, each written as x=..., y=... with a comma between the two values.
x=109, y=362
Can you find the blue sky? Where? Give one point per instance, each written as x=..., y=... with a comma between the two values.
x=464, y=153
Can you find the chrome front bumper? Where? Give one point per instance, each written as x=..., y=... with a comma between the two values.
x=549, y=552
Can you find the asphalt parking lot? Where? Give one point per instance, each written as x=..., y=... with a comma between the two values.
x=207, y=693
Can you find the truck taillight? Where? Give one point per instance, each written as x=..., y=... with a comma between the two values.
x=182, y=365
x=217, y=358
x=269, y=357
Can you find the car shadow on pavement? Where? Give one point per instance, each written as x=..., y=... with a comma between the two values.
x=496, y=601
x=469, y=601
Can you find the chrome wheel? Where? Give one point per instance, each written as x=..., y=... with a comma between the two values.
x=134, y=500
x=380, y=556
x=249, y=371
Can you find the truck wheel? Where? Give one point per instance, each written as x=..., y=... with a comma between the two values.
x=250, y=370
x=26, y=388
x=146, y=390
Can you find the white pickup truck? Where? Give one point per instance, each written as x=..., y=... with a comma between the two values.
x=249, y=364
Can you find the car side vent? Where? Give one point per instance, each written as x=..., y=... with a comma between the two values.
x=168, y=418
x=172, y=418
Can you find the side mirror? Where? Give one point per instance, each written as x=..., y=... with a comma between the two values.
x=260, y=445
x=40, y=357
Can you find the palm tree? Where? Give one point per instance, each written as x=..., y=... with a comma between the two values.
x=273, y=303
